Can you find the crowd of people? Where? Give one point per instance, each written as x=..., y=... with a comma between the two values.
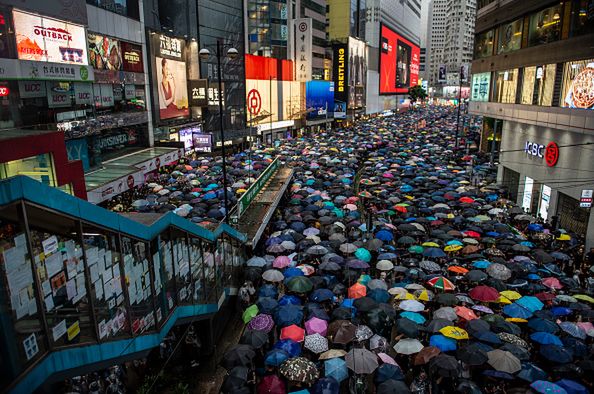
x=396, y=264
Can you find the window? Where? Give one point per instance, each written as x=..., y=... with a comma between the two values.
x=545, y=84
x=510, y=37
x=545, y=26
x=506, y=85
x=40, y=168
x=582, y=17
x=484, y=44
x=528, y=85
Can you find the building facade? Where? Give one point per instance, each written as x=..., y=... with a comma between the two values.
x=532, y=82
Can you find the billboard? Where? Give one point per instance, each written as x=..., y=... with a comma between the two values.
x=49, y=40
x=263, y=105
x=104, y=52
x=319, y=99
x=455, y=91
x=357, y=72
x=202, y=142
x=198, y=93
x=303, y=48
x=399, y=62
x=577, y=90
x=340, y=72
x=132, y=57
x=479, y=90
x=170, y=70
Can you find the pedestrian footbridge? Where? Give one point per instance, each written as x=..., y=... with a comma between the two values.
x=82, y=286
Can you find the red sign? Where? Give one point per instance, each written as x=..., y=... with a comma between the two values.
x=132, y=57
x=4, y=91
x=399, y=62
x=254, y=102
x=552, y=154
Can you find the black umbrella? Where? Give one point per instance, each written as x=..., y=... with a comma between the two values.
x=472, y=354
x=365, y=304
x=238, y=355
x=408, y=327
x=235, y=380
x=392, y=386
x=256, y=339
x=446, y=366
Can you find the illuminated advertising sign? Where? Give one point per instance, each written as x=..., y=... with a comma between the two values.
x=198, y=93
x=480, y=87
x=453, y=92
x=399, y=62
x=270, y=101
x=132, y=57
x=49, y=40
x=58, y=94
x=170, y=69
x=104, y=52
x=319, y=99
x=340, y=72
x=578, y=84
x=202, y=142
x=357, y=72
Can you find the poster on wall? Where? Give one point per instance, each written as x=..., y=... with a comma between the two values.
x=480, y=87
x=303, y=49
x=104, y=52
x=49, y=40
x=170, y=69
x=31, y=89
x=578, y=84
x=399, y=62
x=442, y=75
x=357, y=72
x=319, y=99
x=131, y=57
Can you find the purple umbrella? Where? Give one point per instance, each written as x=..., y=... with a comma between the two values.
x=357, y=264
x=261, y=322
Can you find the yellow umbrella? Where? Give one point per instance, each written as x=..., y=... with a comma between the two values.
x=503, y=300
x=454, y=332
x=409, y=197
x=516, y=320
x=431, y=244
x=564, y=237
x=584, y=297
x=424, y=295
x=452, y=248
x=451, y=216
x=511, y=295
x=239, y=191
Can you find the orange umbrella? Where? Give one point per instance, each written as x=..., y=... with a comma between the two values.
x=293, y=332
x=400, y=209
x=457, y=269
x=465, y=313
x=357, y=291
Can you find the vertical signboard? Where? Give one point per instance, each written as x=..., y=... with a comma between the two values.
x=198, y=93
x=357, y=73
x=340, y=72
x=303, y=49
x=527, y=198
x=170, y=69
x=399, y=62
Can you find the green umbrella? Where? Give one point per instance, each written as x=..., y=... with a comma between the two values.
x=416, y=249
x=250, y=313
x=300, y=284
x=363, y=254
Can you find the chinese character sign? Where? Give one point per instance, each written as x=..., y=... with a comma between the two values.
x=303, y=47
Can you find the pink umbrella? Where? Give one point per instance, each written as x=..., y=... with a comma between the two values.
x=587, y=327
x=387, y=359
x=281, y=262
x=552, y=283
x=316, y=326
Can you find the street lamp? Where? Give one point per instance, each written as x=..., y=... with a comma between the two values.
x=232, y=53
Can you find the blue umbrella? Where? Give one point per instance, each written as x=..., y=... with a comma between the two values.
x=545, y=387
x=434, y=252
x=291, y=272
x=387, y=256
x=288, y=314
x=292, y=348
x=481, y=264
x=531, y=372
x=276, y=357
x=556, y=354
x=386, y=372
x=545, y=338
x=531, y=303
x=327, y=385
x=487, y=336
x=321, y=295
x=443, y=343
x=384, y=235
x=535, y=227
x=266, y=304
x=560, y=311
x=348, y=303
x=498, y=374
x=289, y=299
x=268, y=291
x=540, y=324
x=363, y=254
x=416, y=317
x=380, y=295
x=336, y=368
x=572, y=387
x=515, y=310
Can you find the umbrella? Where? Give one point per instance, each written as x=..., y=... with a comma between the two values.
x=425, y=355
x=261, y=322
x=443, y=343
x=556, y=354
x=441, y=283
x=300, y=284
x=531, y=372
x=484, y=294
x=499, y=271
x=472, y=355
x=273, y=275
x=256, y=339
x=250, y=313
x=316, y=326
x=357, y=290
x=531, y=303
x=446, y=313
x=392, y=386
x=238, y=355
x=408, y=346
x=327, y=385
x=411, y=306
x=332, y=353
x=293, y=332
x=504, y=361
x=299, y=369
x=446, y=366
x=361, y=361
x=545, y=338
x=336, y=368
x=271, y=384
x=454, y=332
x=542, y=386
x=572, y=387
x=316, y=343
x=342, y=331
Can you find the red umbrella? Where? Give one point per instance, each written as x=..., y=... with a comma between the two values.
x=293, y=332
x=271, y=384
x=472, y=234
x=357, y=291
x=467, y=200
x=465, y=313
x=484, y=294
x=552, y=283
x=545, y=296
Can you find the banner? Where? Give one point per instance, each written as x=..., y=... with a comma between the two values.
x=303, y=48
x=340, y=73
x=49, y=40
x=132, y=57
x=32, y=89
x=58, y=94
x=103, y=95
x=83, y=93
x=399, y=62
x=480, y=87
x=443, y=73
x=104, y=52
x=170, y=70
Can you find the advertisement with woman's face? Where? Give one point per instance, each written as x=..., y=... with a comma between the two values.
x=173, y=90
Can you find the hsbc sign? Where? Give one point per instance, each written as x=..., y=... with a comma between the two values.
x=534, y=149
x=549, y=152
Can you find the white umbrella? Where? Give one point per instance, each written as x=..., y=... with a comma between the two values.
x=411, y=306
x=408, y=346
x=384, y=265
x=273, y=275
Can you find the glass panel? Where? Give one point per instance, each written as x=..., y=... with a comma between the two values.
x=60, y=269
x=528, y=85
x=40, y=168
x=578, y=90
x=166, y=252
x=219, y=267
x=160, y=283
x=209, y=271
x=103, y=259
x=23, y=336
x=196, y=261
x=582, y=17
x=545, y=26
x=136, y=269
x=510, y=37
x=181, y=261
x=484, y=44
x=506, y=86
x=545, y=80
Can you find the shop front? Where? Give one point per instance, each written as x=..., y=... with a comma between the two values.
x=546, y=171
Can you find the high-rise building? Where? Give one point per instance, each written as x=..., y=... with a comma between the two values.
x=532, y=83
x=346, y=18
x=450, y=33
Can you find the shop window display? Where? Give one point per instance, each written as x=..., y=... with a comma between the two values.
x=545, y=26
x=506, y=85
x=107, y=281
x=510, y=36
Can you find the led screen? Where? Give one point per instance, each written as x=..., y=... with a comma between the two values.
x=399, y=62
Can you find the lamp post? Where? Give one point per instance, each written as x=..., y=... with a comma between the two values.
x=232, y=53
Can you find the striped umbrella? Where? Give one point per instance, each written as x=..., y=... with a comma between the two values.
x=441, y=283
